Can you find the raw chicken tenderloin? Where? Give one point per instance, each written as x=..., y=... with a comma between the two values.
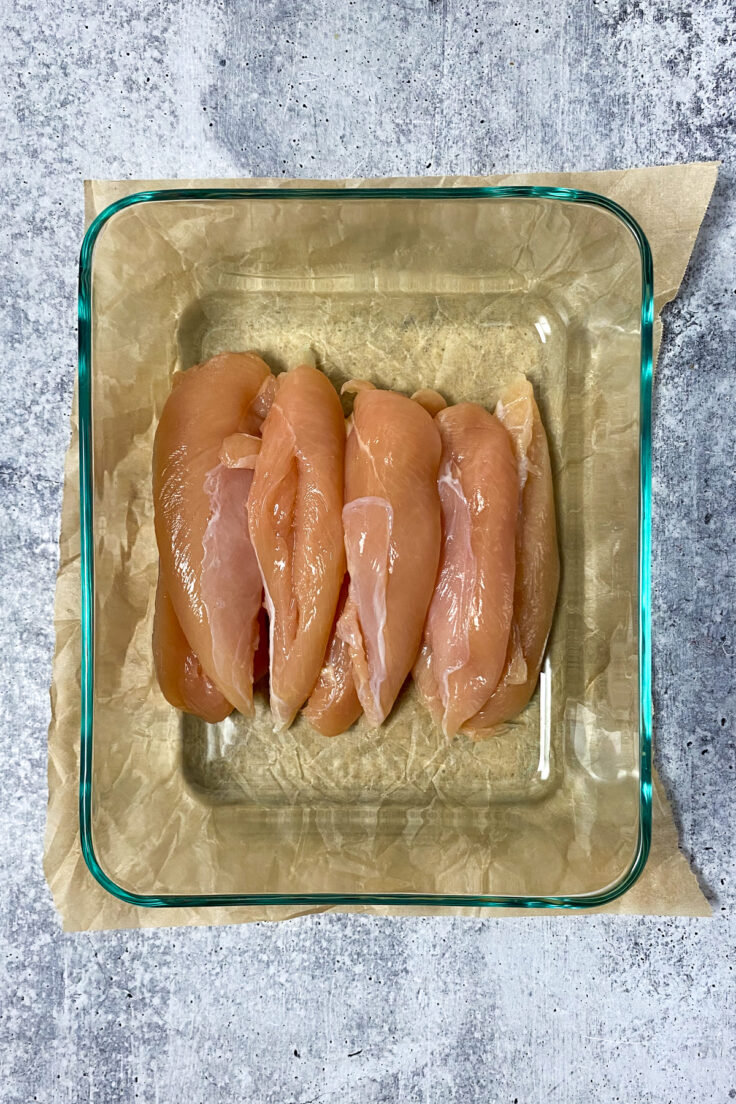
x=392, y=530
x=537, y=560
x=467, y=630
x=180, y=676
x=207, y=563
x=334, y=704
x=294, y=511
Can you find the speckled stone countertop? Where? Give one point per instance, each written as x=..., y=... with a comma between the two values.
x=342, y=1008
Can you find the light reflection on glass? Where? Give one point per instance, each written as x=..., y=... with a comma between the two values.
x=545, y=719
x=543, y=328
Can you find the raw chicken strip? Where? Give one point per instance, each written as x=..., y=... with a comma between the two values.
x=392, y=530
x=294, y=511
x=240, y=450
x=537, y=560
x=467, y=631
x=208, y=566
x=334, y=705
x=430, y=399
x=180, y=676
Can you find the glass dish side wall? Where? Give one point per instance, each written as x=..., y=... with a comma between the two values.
x=516, y=287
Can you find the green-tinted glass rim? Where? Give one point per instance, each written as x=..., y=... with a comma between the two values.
x=581, y=901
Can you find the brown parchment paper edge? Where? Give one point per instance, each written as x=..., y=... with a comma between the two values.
x=669, y=202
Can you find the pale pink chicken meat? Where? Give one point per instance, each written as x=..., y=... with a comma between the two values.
x=334, y=704
x=391, y=522
x=207, y=564
x=294, y=511
x=537, y=561
x=467, y=630
x=430, y=399
x=181, y=678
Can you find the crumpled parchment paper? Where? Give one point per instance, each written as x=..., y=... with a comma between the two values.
x=669, y=202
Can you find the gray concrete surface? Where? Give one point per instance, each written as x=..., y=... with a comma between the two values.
x=342, y=1008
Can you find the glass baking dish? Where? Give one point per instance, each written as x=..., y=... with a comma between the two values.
x=449, y=288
